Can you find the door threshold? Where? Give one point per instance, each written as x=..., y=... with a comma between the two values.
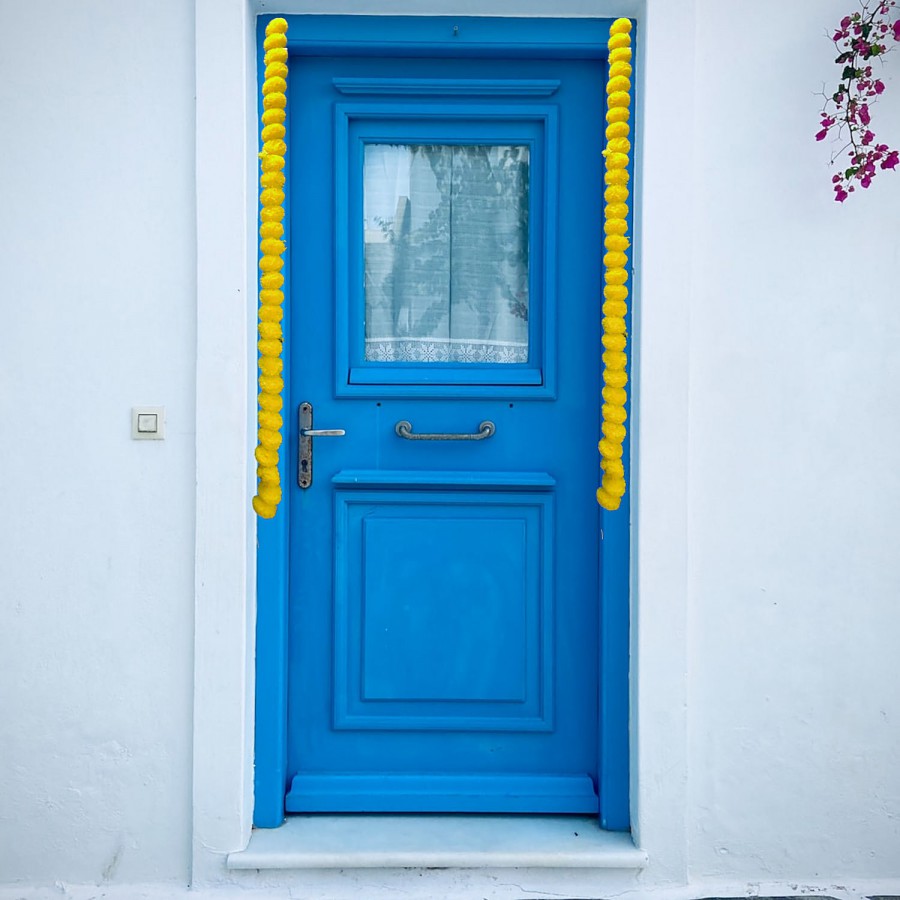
x=438, y=841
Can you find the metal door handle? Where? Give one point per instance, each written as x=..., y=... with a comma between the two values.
x=485, y=430
x=307, y=433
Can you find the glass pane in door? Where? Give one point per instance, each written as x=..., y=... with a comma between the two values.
x=446, y=253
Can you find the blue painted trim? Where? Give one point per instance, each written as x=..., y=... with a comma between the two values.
x=364, y=122
x=615, y=579
x=534, y=481
x=440, y=793
x=420, y=36
x=433, y=87
x=270, y=777
x=376, y=35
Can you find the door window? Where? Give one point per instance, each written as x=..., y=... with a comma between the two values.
x=446, y=253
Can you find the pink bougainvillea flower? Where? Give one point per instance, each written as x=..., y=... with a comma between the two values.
x=846, y=116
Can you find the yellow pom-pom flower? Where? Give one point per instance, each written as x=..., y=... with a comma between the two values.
x=271, y=366
x=273, y=402
x=610, y=449
x=273, y=132
x=269, y=493
x=270, y=313
x=268, y=348
x=278, y=85
x=273, y=384
x=277, y=69
x=615, y=308
x=274, y=40
x=270, y=420
x=615, y=378
x=614, y=432
x=614, y=395
x=273, y=116
x=276, y=55
x=614, y=342
x=274, y=296
x=272, y=180
x=615, y=193
x=271, y=230
x=620, y=54
x=616, y=177
x=269, y=474
x=275, y=147
x=270, y=263
x=271, y=162
x=267, y=510
x=271, y=331
x=271, y=214
x=271, y=197
x=616, y=243
x=619, y=145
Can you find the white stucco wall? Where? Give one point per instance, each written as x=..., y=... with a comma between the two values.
x=98, y=311
x=766, y=692
x=794, y=487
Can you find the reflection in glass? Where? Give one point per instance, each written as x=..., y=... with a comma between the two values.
x=446, y=253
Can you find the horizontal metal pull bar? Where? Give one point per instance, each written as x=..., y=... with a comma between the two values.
x=485, y=430
x=322, y=432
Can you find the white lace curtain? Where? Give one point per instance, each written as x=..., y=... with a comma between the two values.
x=446, y=253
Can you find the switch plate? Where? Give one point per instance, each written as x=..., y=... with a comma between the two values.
x=148, y=423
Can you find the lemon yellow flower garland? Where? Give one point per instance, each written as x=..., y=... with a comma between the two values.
x=615, y=293
x=271, y=247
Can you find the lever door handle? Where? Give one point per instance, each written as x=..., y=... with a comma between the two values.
x=307, y=433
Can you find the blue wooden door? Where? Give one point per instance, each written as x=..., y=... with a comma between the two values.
x=445, y=268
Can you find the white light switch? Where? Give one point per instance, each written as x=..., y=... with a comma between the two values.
x=148, y=423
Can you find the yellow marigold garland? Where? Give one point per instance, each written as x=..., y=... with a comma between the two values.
x=615, y=228
x=271, y=248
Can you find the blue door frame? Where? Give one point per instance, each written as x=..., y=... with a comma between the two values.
x=475, y=37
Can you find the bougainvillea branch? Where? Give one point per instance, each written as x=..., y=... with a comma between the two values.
x=862, y=38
